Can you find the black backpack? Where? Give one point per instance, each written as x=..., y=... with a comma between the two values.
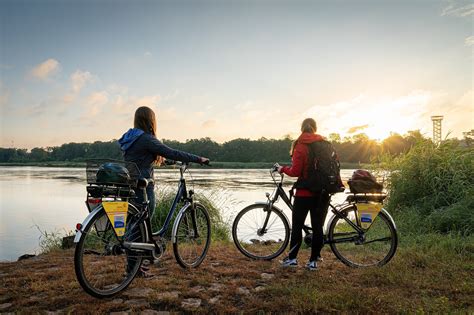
x=323, y=170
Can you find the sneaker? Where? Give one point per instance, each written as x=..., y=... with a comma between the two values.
x=312, y=265
x=287, y=262
x=144, y=273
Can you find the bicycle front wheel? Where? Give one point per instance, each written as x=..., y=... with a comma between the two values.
x=192, y=236
x=103, y=267
x=260, y=232
x=375, y=247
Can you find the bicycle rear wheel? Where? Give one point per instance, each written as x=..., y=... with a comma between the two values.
x=103, y=267
x=375, y=247
x=257, y=241
x=192, y=236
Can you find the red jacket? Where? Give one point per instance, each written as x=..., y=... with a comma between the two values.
x=299, y=160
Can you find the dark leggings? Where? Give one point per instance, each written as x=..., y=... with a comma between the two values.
x=318, y=208
x=133, y=235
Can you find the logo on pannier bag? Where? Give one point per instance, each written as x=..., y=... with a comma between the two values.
x=366, y=218
x=119, y=221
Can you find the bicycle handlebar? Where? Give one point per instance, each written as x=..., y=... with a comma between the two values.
x=173, y=162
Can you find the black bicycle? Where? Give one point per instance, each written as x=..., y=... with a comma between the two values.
x=360, y=232
x=117, y=236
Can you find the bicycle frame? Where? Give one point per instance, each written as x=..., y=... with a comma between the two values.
x=280, y=192
x=181, y=195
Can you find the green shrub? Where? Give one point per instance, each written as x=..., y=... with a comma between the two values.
x=434, y=186
x=456, y=217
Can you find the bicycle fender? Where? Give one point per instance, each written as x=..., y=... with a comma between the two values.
x=389, y=217
x=176, y=221
x=86, y=221
x=326, y=226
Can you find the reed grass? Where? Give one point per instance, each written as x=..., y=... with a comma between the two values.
x=431, y=188
x=210, y=200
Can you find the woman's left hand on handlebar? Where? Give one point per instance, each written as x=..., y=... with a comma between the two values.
x=204, y=160
x=277, y=167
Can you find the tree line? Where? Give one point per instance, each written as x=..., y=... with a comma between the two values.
x=355, y=149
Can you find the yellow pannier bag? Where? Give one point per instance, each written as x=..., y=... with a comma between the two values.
x=367, y=213
x=117, y=214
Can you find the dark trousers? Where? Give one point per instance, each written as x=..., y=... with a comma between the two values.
x=318, y=208
x=133, y=235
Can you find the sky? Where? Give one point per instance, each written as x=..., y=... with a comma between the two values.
x=75, y=71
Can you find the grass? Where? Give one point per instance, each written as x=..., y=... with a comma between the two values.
x=422, y=278
x=52, y=241
x=433, y=185
x=210, y=200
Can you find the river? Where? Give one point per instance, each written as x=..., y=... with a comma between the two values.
x=52, y=199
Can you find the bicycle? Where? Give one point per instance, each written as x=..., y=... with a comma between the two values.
x=117, y=236
x=262, y=230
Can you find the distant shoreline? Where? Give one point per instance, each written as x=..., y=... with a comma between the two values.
x=214, y=165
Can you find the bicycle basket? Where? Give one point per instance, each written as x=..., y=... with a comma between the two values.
x=112, y=172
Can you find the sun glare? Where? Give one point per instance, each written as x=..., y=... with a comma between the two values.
x=378, y=118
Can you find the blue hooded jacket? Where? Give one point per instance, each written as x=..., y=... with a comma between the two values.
x=143, y=148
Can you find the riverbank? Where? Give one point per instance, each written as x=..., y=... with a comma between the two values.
x=432, y=274
x=214, y=165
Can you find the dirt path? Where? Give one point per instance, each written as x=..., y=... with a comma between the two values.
x=229, y=282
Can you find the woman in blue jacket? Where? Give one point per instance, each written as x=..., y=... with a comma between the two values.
x=140, y=146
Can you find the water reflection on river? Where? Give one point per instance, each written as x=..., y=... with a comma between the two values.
x=52, y=199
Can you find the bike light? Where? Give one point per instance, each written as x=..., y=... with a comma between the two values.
x=79, y=227
x=94, y=200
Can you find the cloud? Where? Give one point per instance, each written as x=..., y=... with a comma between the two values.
x=469, y=41
x=149, y=101
x=458, y=10
x=36, y=110
x=209, y=123
x=147, y=54
x=94, y=103
x=357, y=128
x=79, y=80
x=45, y=69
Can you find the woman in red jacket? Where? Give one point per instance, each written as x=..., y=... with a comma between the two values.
x=305, y=200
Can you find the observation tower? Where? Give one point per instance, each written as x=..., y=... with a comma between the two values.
x=437, y=128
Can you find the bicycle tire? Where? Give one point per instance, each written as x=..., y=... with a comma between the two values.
x=248, y=236
x=110, y=273
x=191, y=249
x=376, y=248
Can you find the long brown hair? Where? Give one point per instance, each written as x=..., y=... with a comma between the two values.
x=308, y=125
x=145, y=120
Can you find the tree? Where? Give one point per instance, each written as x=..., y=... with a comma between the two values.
x=335, y=137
